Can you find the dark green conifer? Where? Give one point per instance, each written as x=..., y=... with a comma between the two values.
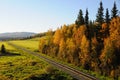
x=114, y=11
x=80, y=19
x=86, y=18
x=100, y=16
x=3, y=50
x=107, y=16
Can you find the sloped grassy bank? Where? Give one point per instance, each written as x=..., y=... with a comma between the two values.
x=18, y=65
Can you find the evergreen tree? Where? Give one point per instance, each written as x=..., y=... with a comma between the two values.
x=88, y=32
x=86, y=23
x=86, y=17
x=114, y=11
x=100, y=15
x=107, y=16
x=3, y=50
x=107, y=20
x=80, y=19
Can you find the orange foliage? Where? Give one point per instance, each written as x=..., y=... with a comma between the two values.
x=79, y=34
x=85, y=51
x=115, y=31
x=62, y=48
x=108, y=55
x=57, y=37
x=104, y=26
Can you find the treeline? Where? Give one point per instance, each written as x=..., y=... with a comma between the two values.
x=94, y=45
x=37, y=35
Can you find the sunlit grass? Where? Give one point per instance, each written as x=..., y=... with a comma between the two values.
x=20, y=66
x=23, y=66
x=17, y=67
x=29, y=44
x=8, y=47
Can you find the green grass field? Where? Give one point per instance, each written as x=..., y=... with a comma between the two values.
x=7, y=46
x=31, y=44
x=19, y=65
x=23, y=66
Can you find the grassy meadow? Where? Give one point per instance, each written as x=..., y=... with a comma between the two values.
x=19, y=65
x=23, y=66
x=31, y=44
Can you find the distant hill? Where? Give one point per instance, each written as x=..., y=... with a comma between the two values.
x=15, y=35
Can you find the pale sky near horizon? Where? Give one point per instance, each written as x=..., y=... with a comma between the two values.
x=42, y=15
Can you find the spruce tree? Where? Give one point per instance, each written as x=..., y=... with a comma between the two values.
x=107, y=16
x=107, y=20
x=100, y=16
x=86, y=18
x=3, y=50
x=86, y=23
x=88, y=31
x=80, y=19
x=114, y=11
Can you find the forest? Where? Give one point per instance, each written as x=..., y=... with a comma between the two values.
x=92, y=45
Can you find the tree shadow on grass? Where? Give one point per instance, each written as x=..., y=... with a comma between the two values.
x=10, y=54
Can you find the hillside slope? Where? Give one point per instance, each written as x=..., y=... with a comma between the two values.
x=13, y=35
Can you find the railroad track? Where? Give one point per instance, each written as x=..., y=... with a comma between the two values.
x=73, y=72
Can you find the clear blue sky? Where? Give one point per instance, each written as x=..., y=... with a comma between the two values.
x=42, y=15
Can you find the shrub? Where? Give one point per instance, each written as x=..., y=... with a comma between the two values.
x=3, y=50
